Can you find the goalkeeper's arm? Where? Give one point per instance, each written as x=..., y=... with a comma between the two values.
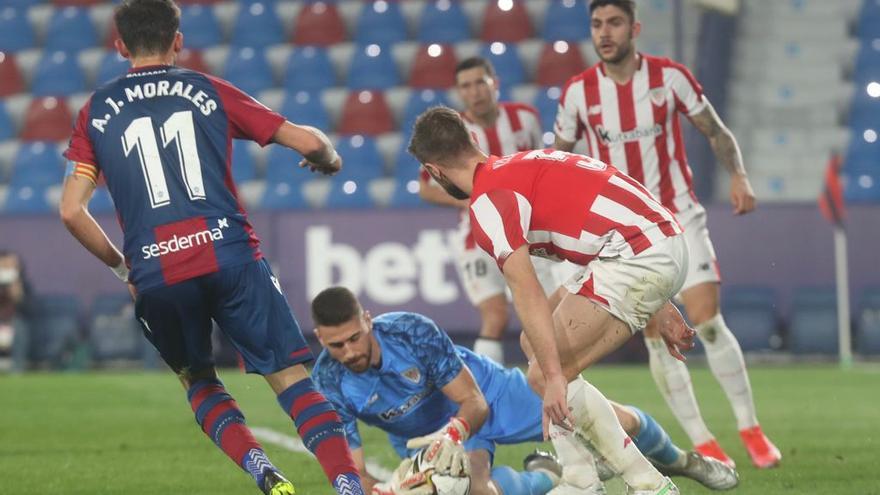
x=471, y=415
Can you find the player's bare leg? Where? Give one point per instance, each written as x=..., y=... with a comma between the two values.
x=702, y=304
x=493, y=321
x=481, y=476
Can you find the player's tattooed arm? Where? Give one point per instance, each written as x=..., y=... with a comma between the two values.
x=316, y=148
x=727, y=152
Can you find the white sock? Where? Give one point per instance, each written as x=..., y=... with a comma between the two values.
x=674, y=381
x=578, y=463
x=600, y=427
x=726, y=361
x=490, y=348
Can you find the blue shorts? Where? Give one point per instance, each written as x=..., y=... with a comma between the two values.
x=514, y=416
x=248, y=307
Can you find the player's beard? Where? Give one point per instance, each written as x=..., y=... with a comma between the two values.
x=622, y=52
x=450, y=188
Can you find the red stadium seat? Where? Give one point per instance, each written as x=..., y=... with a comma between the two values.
x=10, y=76
x=319, y=23
x=506, y=20
x=47, y=119
x=192, y=59
x=366, y=112
x=434, y=67
x=559, y=61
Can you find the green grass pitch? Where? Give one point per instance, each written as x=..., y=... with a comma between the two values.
x=133, y=433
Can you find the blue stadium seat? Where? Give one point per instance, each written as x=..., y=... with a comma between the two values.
x=249, y=69
x=346, y=193
x=362, y=158
x=751, y=311
x=37, y=164
x=16, y=32
x=547, y=102
x=867, y=64
x=257, y=24
x=813, y=324
x=283, y=196
x=26, y=200
x=862, y=183
x=419, y=101
x=566, y=20
x=373, y=67
x=381, y=22
x=406, y=195
x=55, y=331
x=282, y=165
x=406, y=167
x=309, y=69
x=23, y=3
x=443, y=21
x=868, y=327
x=200, y=26
x=71, y=29
x=304, y=107
x=58, y=74
x=7, y=127
x=505, y=59
x=114, y=334
x=112, y=66
x=101, y=202
x=869, y=21
x=244, y=167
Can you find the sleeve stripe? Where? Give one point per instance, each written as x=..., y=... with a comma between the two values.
x=491, y=224
x=86, y=171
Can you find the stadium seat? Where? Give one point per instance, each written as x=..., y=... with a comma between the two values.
x=752, y=312
x=309, y=69
x=868, y=327
x=200, y=26
x=567, y=20
x=508, y=65
x=380, y=22
x=58, y=74
x=419, y=101
x=506, y=20
x=11, y=81
x=76, y=3
x=23, y=3
x=283, y=196
x=304, y=107
x=55, y=331
x=813, y=323
x=16, y=32
x=113, y=35
x=47, y=119
x=443, y=21
x=406, y=195
x=365, y=112
x=7, y=128
x=319, y=23
x=282, y=166
x=347, y=194
x=101, y=202
x=373, y=67
x=867, y=65
x=26, y=200
x=434, y=67
x=71, y=29
x=363, y=161
x=257, y=24
x=114, y=333
x=862, y=183
x=244, y=167
x=249, y=69
x=37, y=164
x=547, y=103
x=559, y=61
x=192, y=59
x=112, y=66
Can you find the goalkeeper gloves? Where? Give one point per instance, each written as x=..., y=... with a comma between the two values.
x=404, y=482
x=443, y=448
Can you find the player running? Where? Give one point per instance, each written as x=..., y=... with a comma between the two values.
x=498, y=128
x=627, y=106
x=162, y=138
x=401, y=373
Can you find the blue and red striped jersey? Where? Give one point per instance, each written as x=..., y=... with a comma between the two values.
x=161, y=136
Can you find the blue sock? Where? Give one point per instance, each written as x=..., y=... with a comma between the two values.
x=521, y=483
x=653, y=441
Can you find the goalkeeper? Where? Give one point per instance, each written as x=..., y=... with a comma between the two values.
x=399, y=372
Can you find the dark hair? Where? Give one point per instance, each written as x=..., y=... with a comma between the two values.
x=628, y=6
x=334, y=306
x=147, y=27
x=473, y=62
x=439, y=135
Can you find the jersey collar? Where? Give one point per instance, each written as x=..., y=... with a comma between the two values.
x=145, y=68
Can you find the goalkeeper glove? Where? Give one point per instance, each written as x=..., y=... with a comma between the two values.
x=404, y=482
x=444, y=448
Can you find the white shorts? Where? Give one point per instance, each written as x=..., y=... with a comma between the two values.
x=703, y=266
x=482, y=279
x=633, y=289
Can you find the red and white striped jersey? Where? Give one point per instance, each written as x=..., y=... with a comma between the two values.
x=635, y=126
x=565, y=207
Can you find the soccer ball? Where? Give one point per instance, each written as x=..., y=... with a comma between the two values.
x=441, y=484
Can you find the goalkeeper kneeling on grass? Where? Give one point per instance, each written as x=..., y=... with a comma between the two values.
x=401, y=373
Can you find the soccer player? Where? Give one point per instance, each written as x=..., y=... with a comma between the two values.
x=499, y=128
x=162, y=138
x=401, y=373
x=631, y=256
x=627, y=105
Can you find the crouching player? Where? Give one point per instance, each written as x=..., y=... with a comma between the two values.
x=401, y=373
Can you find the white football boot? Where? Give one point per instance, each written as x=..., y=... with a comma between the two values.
x=665, y=488
x=709, y=472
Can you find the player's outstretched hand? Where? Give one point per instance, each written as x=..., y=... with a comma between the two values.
x=742, y=197
x=325, y=168
x=446, y=455
x=556, y=408
x=675, y=332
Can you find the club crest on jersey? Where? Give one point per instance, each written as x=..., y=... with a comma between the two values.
x=658, y=96
x=412, y=375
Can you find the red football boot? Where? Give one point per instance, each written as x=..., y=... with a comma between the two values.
x=762, y=451
x=713, y=450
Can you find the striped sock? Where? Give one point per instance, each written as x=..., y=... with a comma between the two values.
x=321, y=431
x=218, y=415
